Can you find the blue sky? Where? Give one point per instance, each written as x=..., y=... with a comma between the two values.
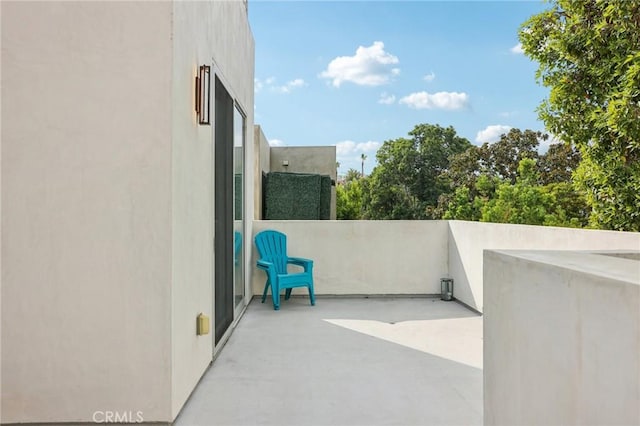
x=357, y=73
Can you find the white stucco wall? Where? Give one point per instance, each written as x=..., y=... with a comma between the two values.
x=365, y=257
x=86, y=212
x=561, y=339
x=107, y=188
x=217, y=34
x=262, y=160
x=467, y=240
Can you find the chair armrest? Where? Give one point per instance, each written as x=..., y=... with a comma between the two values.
x=263, y=264
x=300, y=261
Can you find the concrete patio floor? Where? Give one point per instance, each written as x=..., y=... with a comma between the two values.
x=346, y=361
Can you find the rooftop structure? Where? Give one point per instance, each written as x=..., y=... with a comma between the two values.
x=118, y=229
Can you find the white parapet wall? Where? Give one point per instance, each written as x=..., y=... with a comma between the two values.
x=467, y=240
x=410, y=257
x=365, y=257
x=214, y=33
x=561, y=338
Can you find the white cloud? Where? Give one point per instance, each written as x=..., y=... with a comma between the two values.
x=517, y=49
x=276, y=142
x=348, y=154
x=298, y=82
x=492, y=133
x=440, y=100
x=370, y=66
x=287, y=88
x=269, y=83
x=430, y=77
x=257, y=85
x=344, y=148
x=386, y=99
x=347, y=149
x=544, y=145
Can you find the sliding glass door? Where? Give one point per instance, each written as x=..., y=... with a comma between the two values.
x=230, y=134
x=223, y=211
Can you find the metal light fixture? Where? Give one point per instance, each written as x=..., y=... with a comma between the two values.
x=203, y=94
x=446, y=289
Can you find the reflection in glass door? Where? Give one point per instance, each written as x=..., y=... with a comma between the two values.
x=238, y=204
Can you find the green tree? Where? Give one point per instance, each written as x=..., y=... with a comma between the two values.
x=569, y=208
x=499, y=159
x=558, y=164
x=349, y=200
x=589, y=56
x=502, y=158
x=524, y=202
x=409, y=177
x=468, y=205
x=352, y=174
x=494, y=163
x=528, y=202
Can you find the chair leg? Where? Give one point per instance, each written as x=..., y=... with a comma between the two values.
x=287, y=294
x=275, y=295
x=312, y=296
x=264, y=293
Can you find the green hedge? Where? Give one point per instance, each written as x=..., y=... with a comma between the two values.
x=296, y=196
x=325, y=197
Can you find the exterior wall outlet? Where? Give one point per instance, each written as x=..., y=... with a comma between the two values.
x=202, y=325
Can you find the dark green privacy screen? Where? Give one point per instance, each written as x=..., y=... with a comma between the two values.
x=296, y=196
x=325, y=197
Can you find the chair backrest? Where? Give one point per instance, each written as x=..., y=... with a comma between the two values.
x=272, y=247
x=237, y=245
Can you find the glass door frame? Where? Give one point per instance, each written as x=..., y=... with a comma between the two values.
x=241, y=303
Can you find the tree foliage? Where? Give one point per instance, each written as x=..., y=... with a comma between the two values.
x=409, y=176
x=352, y=175
x=435, y=174
x=589, y=56
x=502, y=158
x=467, y=203
x=349, y=197
x=508, y=181
x=528, y=202
x=558, y=164
x=523, y=202
x=498, y=160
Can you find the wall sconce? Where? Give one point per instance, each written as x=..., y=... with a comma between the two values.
x=446, y=289
x=203, y=94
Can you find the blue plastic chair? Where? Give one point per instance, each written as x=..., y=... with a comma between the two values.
x=272, y=248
